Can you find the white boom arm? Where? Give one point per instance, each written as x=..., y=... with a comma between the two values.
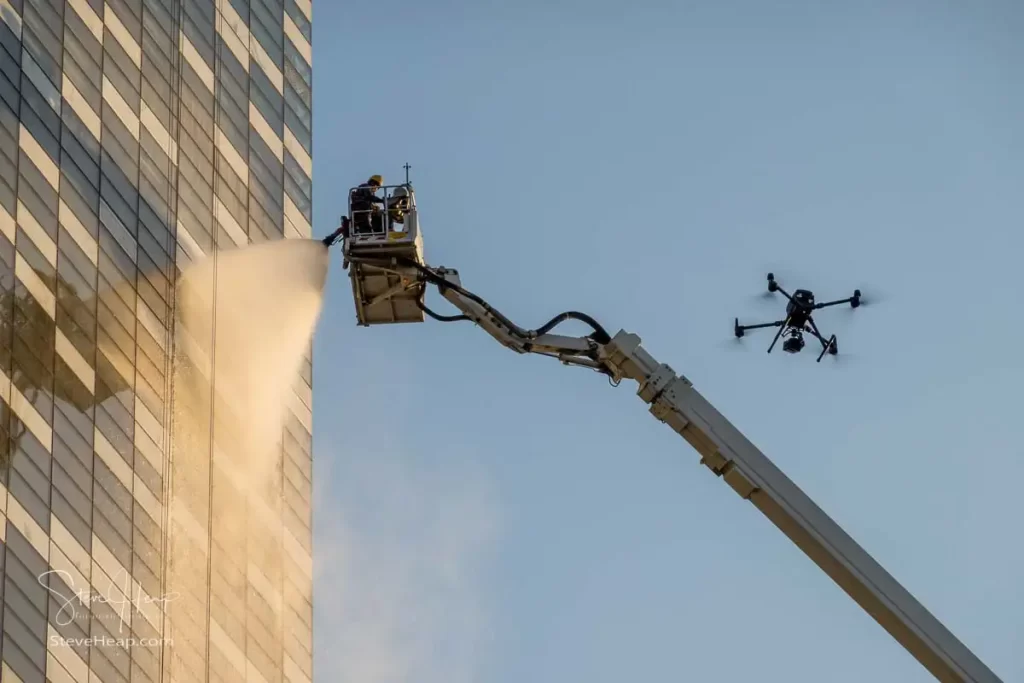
x=730, y=455
x=727, y=453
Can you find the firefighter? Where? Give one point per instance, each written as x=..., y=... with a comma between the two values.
x=398, y=206
x=366, y=215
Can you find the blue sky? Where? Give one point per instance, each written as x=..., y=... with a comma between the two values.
x=484, y=516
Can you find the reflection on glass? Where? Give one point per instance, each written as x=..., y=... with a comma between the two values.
x=22, y=315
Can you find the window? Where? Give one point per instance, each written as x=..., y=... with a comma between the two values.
x=40, y=119
x=80, y=195
x=268, y=224
x=197, y=100
x=30, y=252
x=153, y=162
x=86, y=45
x=43, y=81
x=156, y=77
x=117, y=265
x=267, y=177
x=22, y=569
x=11, y=44
x=148, y=373
x=75, y=268
x=299, y=129
x=195, y=165
x=266, y=98
x=154, y=98
x=32, y=352
x=156, y=42
x=81, y=62
x=268, y=205
x=242, y=9
x=270, y=42
x=69, y=513
x=110, y=662
x=116, y=212
x=8, y=181
x=298, y=95
x=9, y=98
x=121, y=147
x=298, y=186
x=203, y=45
x=233, y=95
x=155, y=233
x=300, y=19
x=233, y=198
x=113, y=415
x=39, y=40
x=196, y=226
x=129, y=12
x=79, y=143
x=77, y=319
x=298, y=71
x=119, y=68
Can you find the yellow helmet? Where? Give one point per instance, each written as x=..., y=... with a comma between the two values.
x=376, y=179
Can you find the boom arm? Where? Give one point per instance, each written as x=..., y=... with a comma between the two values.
x=730, y=455
x=727, y=453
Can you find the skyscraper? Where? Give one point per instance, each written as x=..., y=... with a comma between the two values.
x=138, y=136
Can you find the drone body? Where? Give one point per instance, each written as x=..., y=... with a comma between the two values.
x=799, y=319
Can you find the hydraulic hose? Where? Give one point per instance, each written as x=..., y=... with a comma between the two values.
x=600, y=335
x=439, y=317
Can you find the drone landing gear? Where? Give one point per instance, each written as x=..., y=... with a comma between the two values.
x=794, y=342
x=831, y=345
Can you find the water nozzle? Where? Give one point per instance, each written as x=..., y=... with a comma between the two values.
x=342, y=230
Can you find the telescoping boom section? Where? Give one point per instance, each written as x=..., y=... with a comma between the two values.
x=388, y=268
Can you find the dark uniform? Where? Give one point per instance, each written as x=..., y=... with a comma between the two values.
x=364, y=218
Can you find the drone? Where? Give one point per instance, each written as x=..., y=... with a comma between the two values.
x=799, y=320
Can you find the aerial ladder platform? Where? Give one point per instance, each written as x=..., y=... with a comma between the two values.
x=381, y=248
x=389, y=279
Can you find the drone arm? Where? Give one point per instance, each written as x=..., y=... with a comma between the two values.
x=729, y=455
x=783, y=292
x=777, y=323
x=833, y=303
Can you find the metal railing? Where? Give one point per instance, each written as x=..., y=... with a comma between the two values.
x=380, y=219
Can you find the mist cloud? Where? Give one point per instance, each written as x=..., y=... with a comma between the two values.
x=398, y=564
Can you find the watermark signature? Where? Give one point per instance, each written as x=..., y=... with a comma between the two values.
x=122, y=602
x=57, y=640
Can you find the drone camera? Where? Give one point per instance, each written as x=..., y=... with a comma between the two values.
x=794, y=344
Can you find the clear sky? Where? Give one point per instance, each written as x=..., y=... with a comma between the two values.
x=484, y=516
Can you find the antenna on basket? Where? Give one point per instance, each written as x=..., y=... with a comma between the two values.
x=407, y=167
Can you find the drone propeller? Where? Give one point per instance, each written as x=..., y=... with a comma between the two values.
x=733, y=343
x=870, y=299
x=842, y=359
x=783, y=277
x=763, y=297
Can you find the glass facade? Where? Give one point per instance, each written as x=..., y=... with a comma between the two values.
x=135, y=137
